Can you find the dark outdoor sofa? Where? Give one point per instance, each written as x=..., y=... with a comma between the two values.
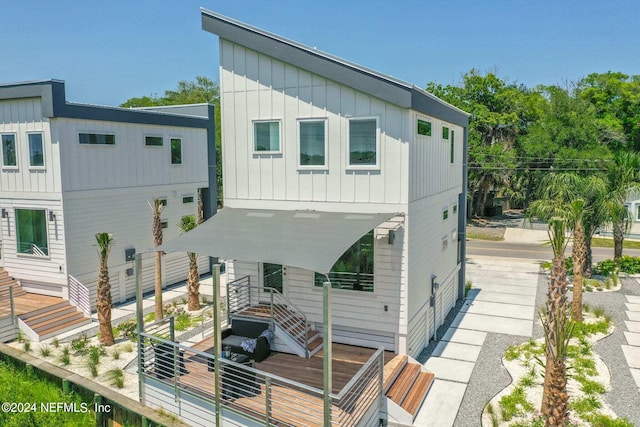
x=242, y=330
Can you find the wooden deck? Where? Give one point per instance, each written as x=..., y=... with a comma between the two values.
x=347, y=360
x=29, y=302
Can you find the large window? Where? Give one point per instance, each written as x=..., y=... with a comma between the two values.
x=354, y=269
x=31, y=232
x=36, y=150
x=363, y=142
x=272, y=276
x=266, y=137
x=312, y=143
x=9, y=157
x=176, y=151
x=97, y=139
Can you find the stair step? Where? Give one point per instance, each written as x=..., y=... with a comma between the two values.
x=59, y=329
x=403, y=383
x=62, y=318
x=315, y=343
x=45, y=312
x=418, y=393
x=392, y=370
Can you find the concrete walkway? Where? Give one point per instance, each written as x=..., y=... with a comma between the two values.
x=502, y=300
x=632, y=335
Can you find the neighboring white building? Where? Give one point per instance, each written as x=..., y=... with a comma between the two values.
x=72, y=170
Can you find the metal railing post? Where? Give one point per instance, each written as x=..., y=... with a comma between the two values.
x=267, y=401
x=271, y=305
x=137, y=268
x=327, y=365
x=381, y=398
x=13, y=310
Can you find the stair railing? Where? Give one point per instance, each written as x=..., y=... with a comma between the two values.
x=79, y=295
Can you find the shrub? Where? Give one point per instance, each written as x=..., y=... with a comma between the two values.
x=116, y=377
x=115, y=354
x=629, y=264
x=27, y=345
x=94, y=352
x=127, y=329
x=79, y=345
x=514, y=404
x=128, y=347
x=182, y=321
x=64, y=359
x=93, y=368
x=45, y=351
x=56, y=342
x=605, y=268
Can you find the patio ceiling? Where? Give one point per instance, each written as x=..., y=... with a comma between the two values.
x=312, y=240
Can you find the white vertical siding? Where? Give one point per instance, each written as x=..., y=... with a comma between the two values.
x=21, y=117
x=128, y=163
x=257, y=87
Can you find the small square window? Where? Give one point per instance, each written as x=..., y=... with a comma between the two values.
x=36, y=150
x=176, y=151
x=164, y=224
x=445, y=132
x=163, y=201
x=424, y=128
x=454, y=209
x=445, y=214
x=9, y=156
x=187, y=199
x=153, y=141
x=266, y=137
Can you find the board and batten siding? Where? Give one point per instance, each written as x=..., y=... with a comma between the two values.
x=430, y=168
x=128, y=163
x=21, y=117
x=46, y=274
x=257, y=87
x=358, y=318
x=432, y=243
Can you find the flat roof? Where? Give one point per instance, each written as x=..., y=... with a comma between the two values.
x=380, y=85
x=54, y=104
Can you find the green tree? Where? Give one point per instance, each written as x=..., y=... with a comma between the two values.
x=104, y=242
x=186, y=224
x=623, y=177
x=202, y=90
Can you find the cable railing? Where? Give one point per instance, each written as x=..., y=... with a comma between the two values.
x=260, y=396
x=79, y=295
x=347, y=280
x=32, y=249
x=7, y=305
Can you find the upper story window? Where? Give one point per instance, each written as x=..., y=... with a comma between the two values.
x=36, y=150
x=455, y=209
x=445, y=132
x=452, y=154
x=31, y=232
x=176, y=151
x=187, y=199
x=266, y=136
x=153, y=141
x=97, y=139
x=313, y=143
x=445, y=214
x=424, y=127
x=9, y=155
x=363, y=142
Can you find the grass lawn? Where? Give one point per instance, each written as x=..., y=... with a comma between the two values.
x=602, y=242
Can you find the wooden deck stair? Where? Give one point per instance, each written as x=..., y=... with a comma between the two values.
x=7, y=282
x=406, y=384
x=54, y=320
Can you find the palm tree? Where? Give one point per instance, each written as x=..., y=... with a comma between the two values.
x=558, y=329
x=578, y=255
x=156, y=229
x=622, y=177
x=186, y=224
x=103, y=300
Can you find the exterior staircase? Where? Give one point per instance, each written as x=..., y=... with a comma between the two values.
x=406, y=385
x=53, y=320
x=40, y=316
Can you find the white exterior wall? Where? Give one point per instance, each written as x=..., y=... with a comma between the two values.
x=257, y=87
x=125, y=213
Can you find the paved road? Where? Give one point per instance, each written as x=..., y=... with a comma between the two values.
x=531, y=250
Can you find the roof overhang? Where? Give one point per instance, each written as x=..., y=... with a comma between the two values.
x=312, y=240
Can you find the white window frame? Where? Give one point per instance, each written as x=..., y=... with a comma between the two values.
x=171, y=138
x=153, y=136
x=115, y=139
x=375, y=166
x=184, y=196
x=46, y=219
x=44, y=157
x=445, y=211
x=15, y=146
x=254, y=135
x=637, y=211
x=448, y=128
x=325, y=166
x=424, y=119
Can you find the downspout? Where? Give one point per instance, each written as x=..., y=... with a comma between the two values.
x=434, y=304
x=327, y=379
x=462, y=212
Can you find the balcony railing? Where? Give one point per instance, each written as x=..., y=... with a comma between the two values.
x=258, y=395
x=347, y=280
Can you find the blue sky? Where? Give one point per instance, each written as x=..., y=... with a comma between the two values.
x=109, y=51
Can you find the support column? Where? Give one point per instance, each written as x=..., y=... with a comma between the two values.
x=137, y=271
x=217, y=340
x=327, y=339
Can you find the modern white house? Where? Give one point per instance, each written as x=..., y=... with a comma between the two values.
x=72, y=170
x=344, y=195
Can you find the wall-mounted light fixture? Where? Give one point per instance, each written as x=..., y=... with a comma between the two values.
x=129, y=272
x=4, y=212
x=52, y=216
x=392, y=236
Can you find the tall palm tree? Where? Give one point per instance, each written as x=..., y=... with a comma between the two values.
x=623, y=177
x=186, y=224
x=578, y=255
x=103, y=300
x=156, y=230
x=558, y=329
